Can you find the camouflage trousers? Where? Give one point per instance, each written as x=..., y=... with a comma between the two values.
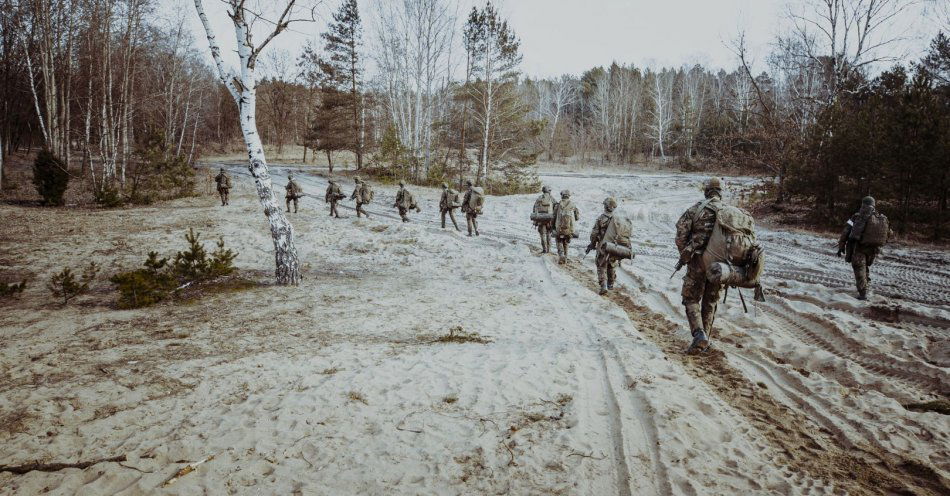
x=563, y=243
x=402, y=213
x=224, y=193
x=472, y=220
x=544, y=230
x=292, y=199
x=861, y=259
x=451, y=213
x=359, y=210
x=700, y=297
x=333, y=212
x=606, y=270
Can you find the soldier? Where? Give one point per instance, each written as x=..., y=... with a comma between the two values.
x=294, y=192
x=544, y=205
x=471, y=205
x=565, y=213
x=405, y=202
x=359, y=197
x=692, y=233
x=859, y=251
x=224, y=186
x=333, y=195
x=447, y=205
x=606, y=265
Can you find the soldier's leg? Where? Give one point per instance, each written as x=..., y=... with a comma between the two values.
x=288, y=203
x=544, y=248
x=475, y=223
x=452, y=216
x=611, y=275
x=711, y=294
x=694, y=283
x=295, y=204
x=443, y=218
x=227, y=197
x=859, y=264
x=402, y=214
x=601, y=263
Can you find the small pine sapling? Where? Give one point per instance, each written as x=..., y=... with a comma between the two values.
x=222, y=261
x=192, y=264
x=65, y=285
x=143, y=287
x=9, y=290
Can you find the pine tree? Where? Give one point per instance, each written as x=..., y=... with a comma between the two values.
x=343, y=72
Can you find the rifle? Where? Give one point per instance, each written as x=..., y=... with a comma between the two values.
x=589, y=249
x=685, y=258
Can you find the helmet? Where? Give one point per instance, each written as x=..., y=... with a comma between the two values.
x=468, y=182
x=545, y=189
x=712, y=183
x=565, y=193
x=610, y=204
x=445, y=186
x=357, y=179
x=868, y=200
x=402, y=183
x=222, y=169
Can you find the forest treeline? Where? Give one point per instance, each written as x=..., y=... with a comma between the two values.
x=118, y=90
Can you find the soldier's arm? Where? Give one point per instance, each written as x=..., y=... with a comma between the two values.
x=577, y=214
x=683, y=230
x=845, y=234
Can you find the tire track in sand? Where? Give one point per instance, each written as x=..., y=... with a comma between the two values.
x=797, y=443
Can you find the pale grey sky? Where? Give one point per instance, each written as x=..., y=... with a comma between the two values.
x=571, y=36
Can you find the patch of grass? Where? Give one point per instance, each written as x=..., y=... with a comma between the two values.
x=330, y=371
x=379, y=228
x=458, y=335
x=450, y=399
x=938, y=406
x=357, y=396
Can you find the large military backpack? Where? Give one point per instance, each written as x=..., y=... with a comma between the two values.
x=564, y=221
x=616, y=241
x=455, y=199
x=543, y=209
x=875, y=230
x=476, y=200
x=732, y=257
x=366, y=193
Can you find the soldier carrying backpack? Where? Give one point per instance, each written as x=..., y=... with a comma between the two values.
x=543, y=217
x=363, y=194
x=448, y=203
x=472, y=205
x=611, y=238
x=861, y=241
x=405, y=202
x=224, y=186
x=565, y=213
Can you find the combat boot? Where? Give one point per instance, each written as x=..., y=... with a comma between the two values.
x=603, y=288
x=700, y=342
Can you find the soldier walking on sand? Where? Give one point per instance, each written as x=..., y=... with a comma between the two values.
x=543, y=217
x=565, y=214
x=447, y=205
x=361, y=195
x=606, y=265
x=861, y=241
x=333, y=195
x=405, y=202
x=294, y=192
x=472, y=206
x=700, y=297
x=224, y=186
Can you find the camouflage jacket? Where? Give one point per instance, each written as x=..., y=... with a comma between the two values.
x=223, y=180
x=333, y=193
x=447, y=201
x=404, y=199
x=293, y=189
x=696, y=224
x=357, y=193
x=600, y=228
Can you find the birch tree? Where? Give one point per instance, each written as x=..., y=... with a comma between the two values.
x=661, y=122
x=241, y=85
x=692, y=96
x=560, y=93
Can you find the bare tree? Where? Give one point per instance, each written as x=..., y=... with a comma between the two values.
x=661, y=124
x=561, y=93
x=242, y=86
x=692, y=102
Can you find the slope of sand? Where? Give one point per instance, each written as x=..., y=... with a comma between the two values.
x=339, y=386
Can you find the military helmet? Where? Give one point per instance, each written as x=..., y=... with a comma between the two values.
x=545, y=189
x=868, y=200
x=468, y=182
x=445, y=186
x=566, y=193
x=402, y=183
x=357, y=179
x=712, y=183
x=610, y=204
x=222, y=169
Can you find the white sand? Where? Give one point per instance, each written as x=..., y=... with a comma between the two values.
x=335, y=387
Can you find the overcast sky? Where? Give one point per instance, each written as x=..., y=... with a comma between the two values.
x=571, y=36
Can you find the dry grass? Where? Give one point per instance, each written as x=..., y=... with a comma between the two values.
x=937, y=406
x=357, y=396
x=458, y=335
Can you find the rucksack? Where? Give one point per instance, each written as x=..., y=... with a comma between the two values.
x=732, y=257
x=565, y=218
x=544, y=205
x=476, y=199
x=455, y=199
x=875, y=230
x=616, y=241
x=366, y=193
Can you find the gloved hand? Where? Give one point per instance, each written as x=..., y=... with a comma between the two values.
x=840, y=252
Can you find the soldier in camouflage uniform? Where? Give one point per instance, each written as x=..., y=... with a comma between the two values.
x=224, y=186
x=544, y=227
x=405, y=202
x=294, y=192
x=692, y=233
x=861, y=256
x=562, y=237
x=471, y=217
x=333, y=195
x=447, y=205
x=358, y=196
x=606, y=265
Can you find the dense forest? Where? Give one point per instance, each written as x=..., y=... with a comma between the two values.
x=122, y=94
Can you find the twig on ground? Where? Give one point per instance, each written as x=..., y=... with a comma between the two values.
x=187, y=469
x=582, y=455
x=55, y=467
x=403, y=421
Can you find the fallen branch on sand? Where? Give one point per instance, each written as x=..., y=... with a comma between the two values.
x=187, y=469
x=55, y=467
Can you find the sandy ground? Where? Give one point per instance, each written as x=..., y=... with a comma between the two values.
x=339, y=386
